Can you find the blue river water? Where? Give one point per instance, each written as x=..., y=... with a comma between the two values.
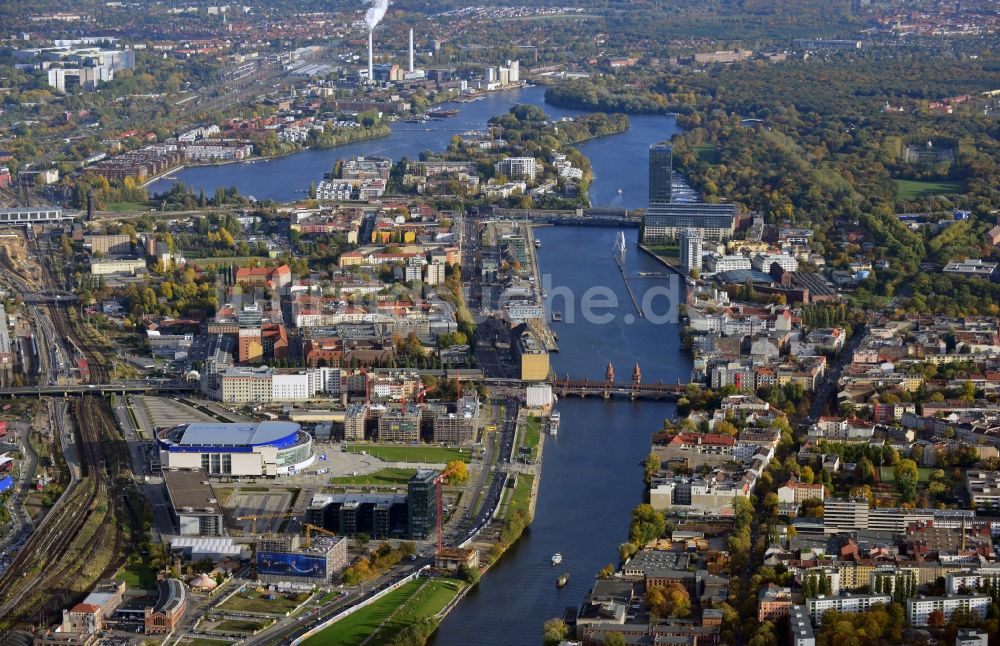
x=619, y=161
x=592, y=473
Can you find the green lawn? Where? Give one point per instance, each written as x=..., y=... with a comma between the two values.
x=415, y=601
x=428, y=601
x=138, y=575
x=532, y=433
x=118, y=207
x=382, y=477
x=255, y=602
x=519, y=499
x=670, y=252
x=353, y=629
x=242, y=625
x=910, y=189
x=412, y=453
x=706, y=153
x=923, y=474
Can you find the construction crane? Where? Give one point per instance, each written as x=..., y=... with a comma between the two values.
x=255, y=517
x=311, y=528
x=438, y=480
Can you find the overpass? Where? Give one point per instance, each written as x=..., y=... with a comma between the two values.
x=123, y=388
x=49, y=296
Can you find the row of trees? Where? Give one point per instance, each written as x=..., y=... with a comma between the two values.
x=377, y=561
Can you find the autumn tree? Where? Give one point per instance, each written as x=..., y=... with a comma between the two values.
x=458, y=472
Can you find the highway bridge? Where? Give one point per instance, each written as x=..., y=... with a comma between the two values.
x=123, y=388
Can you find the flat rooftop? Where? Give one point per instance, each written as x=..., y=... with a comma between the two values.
x=187, y=488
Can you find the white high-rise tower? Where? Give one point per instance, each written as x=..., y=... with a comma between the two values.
x=411, y=50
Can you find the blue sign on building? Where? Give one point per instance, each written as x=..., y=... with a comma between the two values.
x=291, y=564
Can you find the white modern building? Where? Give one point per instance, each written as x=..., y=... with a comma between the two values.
x=538, y=395
x=690, y=250
x=919, y=609
x=517, y=168
x=763, y=261
x=117, y=266
x=730, y=262
x=816, y=606
x=983, y=488
x=970, y=637
x=264, y=385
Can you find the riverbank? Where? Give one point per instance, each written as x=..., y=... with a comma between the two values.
x=407, y=609
x=663, y=261
x=259, y=158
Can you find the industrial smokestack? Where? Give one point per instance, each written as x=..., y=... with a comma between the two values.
x=411, y=50
x=90, y=205
x=371, y=72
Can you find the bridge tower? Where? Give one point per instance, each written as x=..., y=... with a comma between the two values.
x=636, y=379
x=609, y=380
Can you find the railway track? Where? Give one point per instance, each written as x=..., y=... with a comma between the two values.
x=97, y=362
x=42, y=577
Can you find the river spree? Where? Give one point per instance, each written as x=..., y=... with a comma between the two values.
x=592, y=473
x=619, y=161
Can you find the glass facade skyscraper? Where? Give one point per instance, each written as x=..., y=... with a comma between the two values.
x=661, y=166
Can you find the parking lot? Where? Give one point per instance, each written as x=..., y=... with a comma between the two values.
x=161, y=412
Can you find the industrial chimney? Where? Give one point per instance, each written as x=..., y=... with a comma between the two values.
x=90, y=205
x=411, y=50
x=371, y=72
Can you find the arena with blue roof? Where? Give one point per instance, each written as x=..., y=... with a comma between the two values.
x=251, y=449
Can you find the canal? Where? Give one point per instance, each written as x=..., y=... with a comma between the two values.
x=619, y=161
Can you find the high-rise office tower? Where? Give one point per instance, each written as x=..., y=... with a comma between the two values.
x=661, y=162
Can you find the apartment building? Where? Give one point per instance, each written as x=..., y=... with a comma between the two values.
x=920, y=609
x=817, y=606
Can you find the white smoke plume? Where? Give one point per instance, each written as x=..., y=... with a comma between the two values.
x=376, y=12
